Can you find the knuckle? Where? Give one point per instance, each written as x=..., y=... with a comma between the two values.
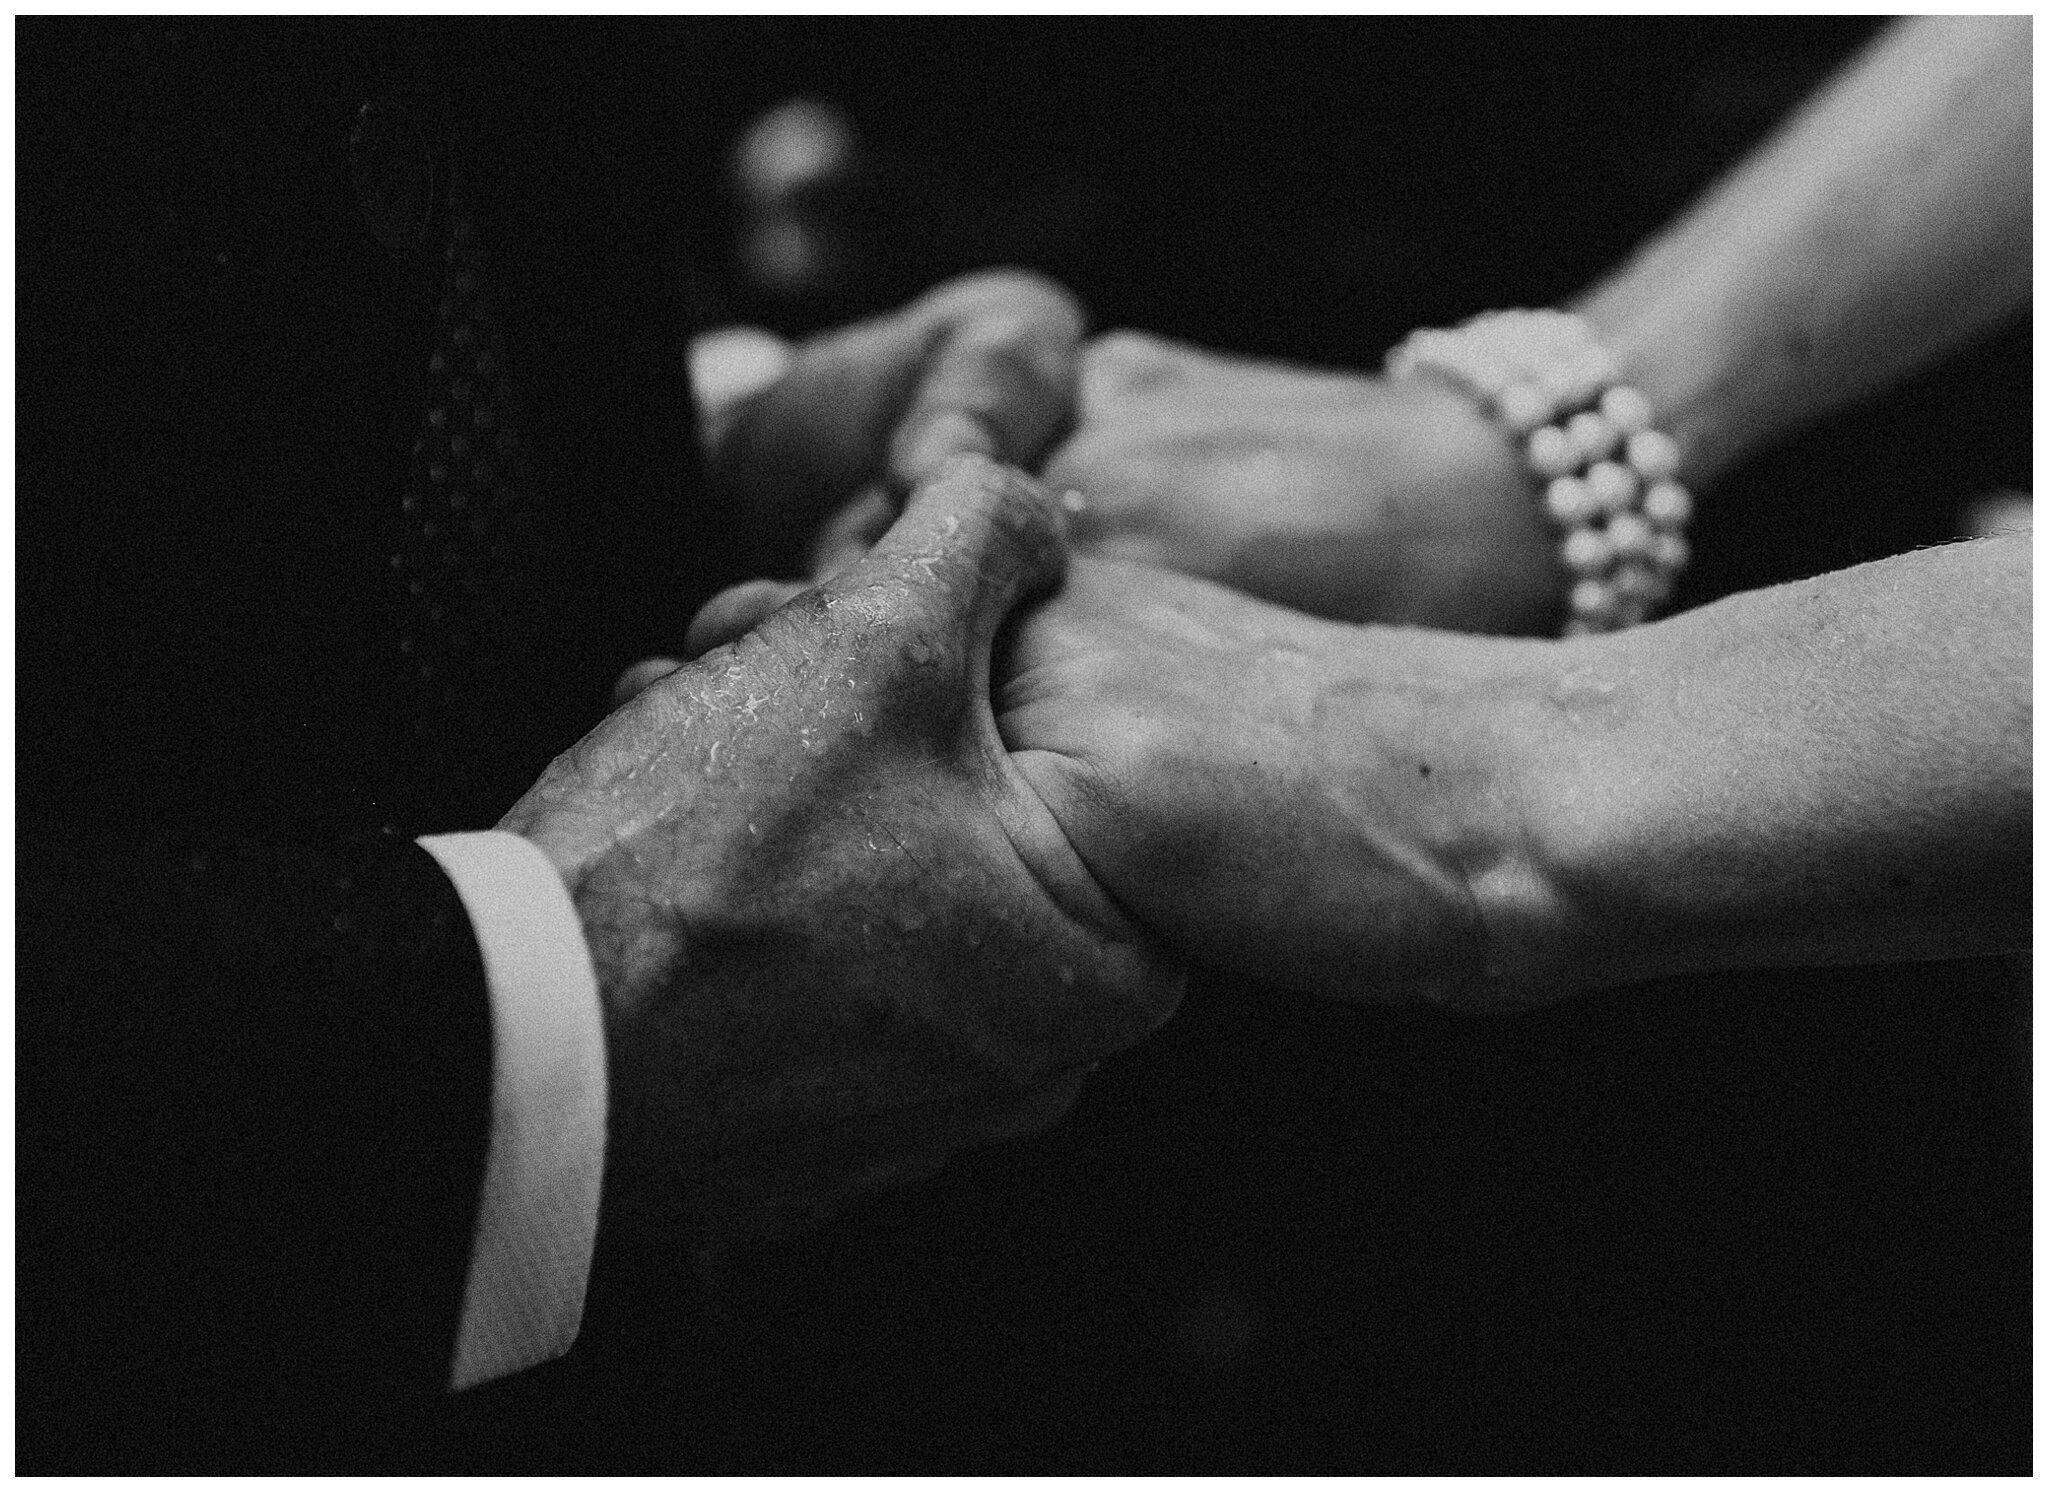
x=1018, y=509
x=1032, y=522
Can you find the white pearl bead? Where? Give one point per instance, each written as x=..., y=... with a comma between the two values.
x=1672, y=552
x=1550, y=452
x=1631, y=535
x=1613, y=485
x=1591, y=601
x=1591, y=436
x=1626, y=408
x=1585, y=551
x=1522, y=407
x=1653, y=453
x=1638, y=581
x=1667, y=505
x=1568, y=503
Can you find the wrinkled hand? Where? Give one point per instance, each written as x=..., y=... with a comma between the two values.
x=982, y=365
x=838, y=937
x=1359, y=499
x=1311, y=804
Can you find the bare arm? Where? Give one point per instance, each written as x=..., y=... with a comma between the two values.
x=1832, y=771
x=1888, y=221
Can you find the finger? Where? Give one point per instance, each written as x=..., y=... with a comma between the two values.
x=935, y=588
x=640, y=675
x=949, y=364
x=727, y=367
x=735, y=611
x=851, y=532
x=999, y=383
x=817, y=435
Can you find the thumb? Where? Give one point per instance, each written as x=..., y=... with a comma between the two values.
x=998, y=380
x=970, y=544
x=734, y=610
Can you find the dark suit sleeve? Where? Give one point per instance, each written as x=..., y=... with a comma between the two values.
x=253, y=1104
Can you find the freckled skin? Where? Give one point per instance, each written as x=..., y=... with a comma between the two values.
x=837, y=935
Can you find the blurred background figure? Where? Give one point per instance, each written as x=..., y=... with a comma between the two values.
x=796, y=176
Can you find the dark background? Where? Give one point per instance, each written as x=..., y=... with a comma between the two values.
x=1771, y=1223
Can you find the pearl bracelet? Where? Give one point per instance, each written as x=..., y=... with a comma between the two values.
x=1608, y=475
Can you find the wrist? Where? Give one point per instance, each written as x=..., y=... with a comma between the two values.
x=1464, y=721
x=1555, y=723
x=630, y=949
x=1683, y=349
x=1475, y=551
x=1608, y=474
x=1557, y=807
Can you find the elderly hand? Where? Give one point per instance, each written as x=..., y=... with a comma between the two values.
x=982, y=365
x=837, y=935
x=1358, y=499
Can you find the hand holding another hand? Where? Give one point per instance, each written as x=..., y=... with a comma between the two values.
x=838, y=937
x=1325, y=807
x=1354, y=498
x=982, y=365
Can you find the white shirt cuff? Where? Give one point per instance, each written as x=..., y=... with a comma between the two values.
x=537, y=1221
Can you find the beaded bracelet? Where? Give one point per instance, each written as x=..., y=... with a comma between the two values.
x=1610, y=487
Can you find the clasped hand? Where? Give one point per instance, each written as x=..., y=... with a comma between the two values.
x=838, y=934
x=1349, y=497
x=847, y=920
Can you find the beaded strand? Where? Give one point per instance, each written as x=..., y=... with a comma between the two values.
x=1609, y=476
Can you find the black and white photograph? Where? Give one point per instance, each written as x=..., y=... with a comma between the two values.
x=1047, y=745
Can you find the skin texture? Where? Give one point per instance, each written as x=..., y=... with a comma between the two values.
x=1886, y=222
x=1300, y=802
x=1835, y=771
x=837, y=935
x=1823, y=773
x=1305, y=803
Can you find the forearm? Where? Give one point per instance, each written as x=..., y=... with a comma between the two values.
x=1834, y=771
x=1888, y=221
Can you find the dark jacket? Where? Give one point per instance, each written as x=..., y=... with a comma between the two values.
x=354, y=460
